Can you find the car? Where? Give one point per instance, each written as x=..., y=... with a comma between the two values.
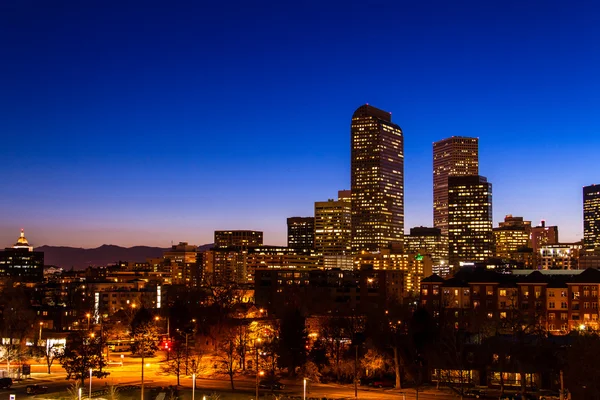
x=549, y=395
x=475, y=393
x=5, y=383
x=272, y=384
x=36, y=389
x=384, y=383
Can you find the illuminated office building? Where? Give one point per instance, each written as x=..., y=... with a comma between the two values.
x=238, y=239
x=469, y=219
x=591, y=218
x=512, y=239
x=333, y=225
x=543, y=235
x=427, y=241
x=21, y=262
x=301, y=232
x=455, y=156
x=377, y=180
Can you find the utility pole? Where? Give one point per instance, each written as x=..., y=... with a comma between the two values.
x=355, y=370
x=562, y=386
x=256, y=366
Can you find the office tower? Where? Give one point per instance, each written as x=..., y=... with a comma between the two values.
x=377, y=179
x=301, y=233
x=21, y=263
x=181, y=260
x=333, y=231
x=455, y=156
x=512, y=240
x=239, y=239
x=333, y=225
x=427, y=241
x=543, y=235
x=469, y=219
x=591, y=218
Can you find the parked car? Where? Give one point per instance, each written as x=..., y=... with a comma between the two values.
x=272, y=384
x=384, y=383
x=5, y=383
x=549, y=395
x=36, y=389
x=475, y=393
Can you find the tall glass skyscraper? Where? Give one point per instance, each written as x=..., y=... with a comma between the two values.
x=377, y=180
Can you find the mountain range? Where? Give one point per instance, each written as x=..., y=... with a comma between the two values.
x=80, y=258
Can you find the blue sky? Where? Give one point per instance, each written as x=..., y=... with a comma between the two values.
x=131, y=122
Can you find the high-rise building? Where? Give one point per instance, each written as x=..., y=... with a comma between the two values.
x=591, y=218
x=428, y=241
x=333, y=232
x=469, y=219
x=301, y=232
x=512, y=239
x=20, y=262
x=377, y=178
x=543, y=235
x=333, y=225
x=455, y=156
x=239, y=238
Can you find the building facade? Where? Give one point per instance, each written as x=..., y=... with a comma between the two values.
x=301, y=232
x=21, y=262
x=469, y=219
x=512, y=240
x=591, y=218
x=377, y=179
x=455, y=156
x=427, y=241
x=333, y=230
x=238, y=238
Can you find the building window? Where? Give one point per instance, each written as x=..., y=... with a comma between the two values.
x=424, y=291
x=563, y=293
x=563, y=304
x=550, y=293
x=551, y=316
x=586, y=305
x=564, y=316
x=503, y=315
x=502, y=292
x=551, y=305
x=489, y=290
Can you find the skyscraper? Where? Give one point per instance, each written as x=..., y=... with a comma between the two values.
x=455, y=156
x=301, y=232
x=469, y=219
x=591, y=218
x=377, y=179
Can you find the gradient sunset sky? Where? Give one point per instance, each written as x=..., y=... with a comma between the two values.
x=144, y=122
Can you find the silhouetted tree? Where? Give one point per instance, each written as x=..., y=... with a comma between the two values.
x=82, y=353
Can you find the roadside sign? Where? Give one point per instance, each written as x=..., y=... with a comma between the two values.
x=13, y=397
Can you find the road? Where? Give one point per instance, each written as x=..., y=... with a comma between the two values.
x=129, y=373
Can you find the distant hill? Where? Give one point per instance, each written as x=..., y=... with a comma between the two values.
x=79, y=258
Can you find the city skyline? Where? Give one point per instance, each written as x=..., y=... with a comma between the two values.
x=114, y=124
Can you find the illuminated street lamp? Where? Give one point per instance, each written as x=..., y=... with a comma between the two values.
x=90, y=383
x=41, y=326
x=304, y=392
x=193, y=386
x=88, y=315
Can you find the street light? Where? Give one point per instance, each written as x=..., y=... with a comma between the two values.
x=193, y=386
x=88, y=315
x=41, y=326
x=304, y=395
x=256, y=344
x=79, y=393
x=90, y=383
